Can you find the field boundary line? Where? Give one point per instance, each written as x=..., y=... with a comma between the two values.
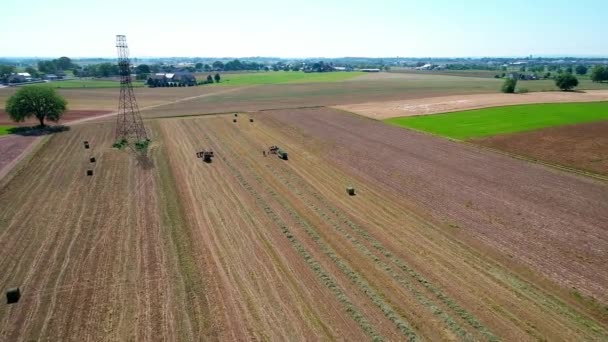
x=16, y=165
x=231, y=112
x=532, y=160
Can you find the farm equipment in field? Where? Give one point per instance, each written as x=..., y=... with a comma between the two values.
x=282, y=154
x=205, y=155
x=273, y=149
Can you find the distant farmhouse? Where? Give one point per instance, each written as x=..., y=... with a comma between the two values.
x=176, y=79
x=20, y=77
x=427, y=66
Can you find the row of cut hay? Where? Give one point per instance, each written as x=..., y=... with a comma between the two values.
x=354, y=277
x=436, y=292
x=314, y=265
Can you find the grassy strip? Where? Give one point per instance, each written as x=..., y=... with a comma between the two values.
x=500, y=120
x=438, y=312
x=449, y=302
x=181, y=243
x=5, y=129
x=279, y=77
x=314, y=265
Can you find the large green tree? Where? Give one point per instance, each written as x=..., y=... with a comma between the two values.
x=599, y=73
x=218, y=65
x=41, y=102
x=566, y=81
x=63, y=63
x=581, y=70
x=32, y=71
x=142, y=69
x=5, y=72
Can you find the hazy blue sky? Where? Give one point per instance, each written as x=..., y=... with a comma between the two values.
x=311, y=28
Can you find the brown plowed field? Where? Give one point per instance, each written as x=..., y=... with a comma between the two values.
x=583, y=146
x=12, y=148
x=70, y=115
x=552, y=221
x=247, y=247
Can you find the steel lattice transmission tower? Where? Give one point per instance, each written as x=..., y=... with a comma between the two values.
x=129, y=125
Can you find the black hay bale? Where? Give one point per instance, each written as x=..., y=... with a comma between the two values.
x=235, y=114
x=89, y=172
x=86, y=142
x=13, y=295
x=234, y=120
x=86, y=146
x=92, y=159
x=250, y=120
x=350, y=190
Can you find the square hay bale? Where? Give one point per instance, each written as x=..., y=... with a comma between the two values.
x=89, y=172
x=350, y=190
x=12, y=295
x=86, y=146
x=86, y=142
x=92, y=159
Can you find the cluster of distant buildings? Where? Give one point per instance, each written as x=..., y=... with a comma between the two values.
x=173, y=79
x=24, y=77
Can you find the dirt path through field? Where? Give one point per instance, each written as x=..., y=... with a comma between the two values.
x=185, y=99
x=434, y=105
x=13, y=148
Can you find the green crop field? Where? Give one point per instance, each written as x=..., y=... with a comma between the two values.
x=276, y=77
x=5, y=129
x=509, y=119
x=87, y=83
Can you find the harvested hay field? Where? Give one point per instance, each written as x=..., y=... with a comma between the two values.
x=250, y=247
x=296, y=95
x=583, y=146
x=367, y=265
x=443, y=104
x=106, y=98
x=95, y=257
x=524, y=211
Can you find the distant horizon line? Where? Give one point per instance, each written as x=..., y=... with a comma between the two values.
x=316, y=57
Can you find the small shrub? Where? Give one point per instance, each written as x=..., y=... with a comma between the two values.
x=142, y=145
x=120, y=143
x=522, y=90
x=509, y=86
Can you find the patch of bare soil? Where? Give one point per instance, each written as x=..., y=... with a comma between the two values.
x=434, y=105
x=583, y=146
x=12, y=149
